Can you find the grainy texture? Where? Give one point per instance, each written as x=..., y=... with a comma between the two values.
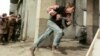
x=68, y=47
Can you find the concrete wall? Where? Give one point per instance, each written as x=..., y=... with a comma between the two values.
x=28, y=12
x=90, y=20
x=79, y=12
x=99, y=13
x=96, y=16
x=78, y=16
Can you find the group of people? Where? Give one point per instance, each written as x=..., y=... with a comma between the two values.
x=58, y=14
x=9, y=28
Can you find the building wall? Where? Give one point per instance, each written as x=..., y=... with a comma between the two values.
x=99, y=13
x=92, y=18
x=96, y=16
x=33, y=25
x=79, y=12
x=78, y=16
x=28, y=12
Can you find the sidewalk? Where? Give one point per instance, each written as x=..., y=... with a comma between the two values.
x=68, y=47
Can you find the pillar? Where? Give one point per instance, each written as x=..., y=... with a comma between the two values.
x=99, y=13
x=95, y=16
x=89, y=21
x=29, y=21
x=79, y=16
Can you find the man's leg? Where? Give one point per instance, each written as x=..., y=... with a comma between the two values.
x=41, y=38
x=58, y=33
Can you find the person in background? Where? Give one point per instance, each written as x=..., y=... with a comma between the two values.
x=1, y=29
x=5, y=29
x=12, y=27
x=18, y=27
x=69, y=13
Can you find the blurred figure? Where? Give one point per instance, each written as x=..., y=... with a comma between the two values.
x=4, y=23
x=4, y=15
x=12, y=26
x=18, y=27
x=1, y=28
x=69, y=13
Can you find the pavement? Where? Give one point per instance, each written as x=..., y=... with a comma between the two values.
x=68, y=47
x=96, y=48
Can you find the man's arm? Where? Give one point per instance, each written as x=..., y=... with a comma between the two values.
x=52, y=13
x=53, y=7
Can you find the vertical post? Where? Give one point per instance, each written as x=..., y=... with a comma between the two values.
x=99, y=13
x=95, y=16
x=89, y=21
x=84, y=17
x=37, y=21
x=84, y=11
